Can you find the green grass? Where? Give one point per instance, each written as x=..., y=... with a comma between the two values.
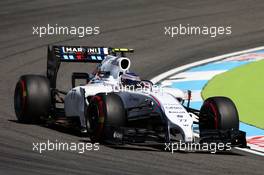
x=245, y=86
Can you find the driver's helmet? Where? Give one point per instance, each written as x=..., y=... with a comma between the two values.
x=130, y=79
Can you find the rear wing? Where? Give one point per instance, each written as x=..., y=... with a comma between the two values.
x=86, y=54
x=78, y=54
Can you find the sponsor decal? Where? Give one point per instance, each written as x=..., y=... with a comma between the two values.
x=81, y=53
x=80, y=49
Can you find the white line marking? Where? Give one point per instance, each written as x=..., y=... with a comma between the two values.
x=250, y=151
x=193, y=76
x=256, y=147
x=198, y=63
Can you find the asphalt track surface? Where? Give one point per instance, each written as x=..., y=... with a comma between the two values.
x=138, y=24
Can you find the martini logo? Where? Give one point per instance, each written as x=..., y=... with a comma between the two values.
x=80, y=49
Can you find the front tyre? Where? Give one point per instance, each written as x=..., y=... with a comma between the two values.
x=105, y=110
x=32, y=98
x=218, y=113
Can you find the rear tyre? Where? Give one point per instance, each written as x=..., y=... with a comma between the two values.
x=32, y=98
x=218, y=113
x=104, y=111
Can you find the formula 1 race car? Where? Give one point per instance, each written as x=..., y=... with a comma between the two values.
x=115, y=105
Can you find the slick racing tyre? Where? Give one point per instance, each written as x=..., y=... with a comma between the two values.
x=104, y=111
x=32, y=98
x=218, y=113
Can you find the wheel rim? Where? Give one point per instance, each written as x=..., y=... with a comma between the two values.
x=19, y=102
x=209, y=117
x=93, y=113
x=96, y=118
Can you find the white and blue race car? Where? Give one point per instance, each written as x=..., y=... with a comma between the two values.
x=115, y=105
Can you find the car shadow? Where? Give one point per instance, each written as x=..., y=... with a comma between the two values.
x=158, y=148
x=131, y=147
x=58, y=128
